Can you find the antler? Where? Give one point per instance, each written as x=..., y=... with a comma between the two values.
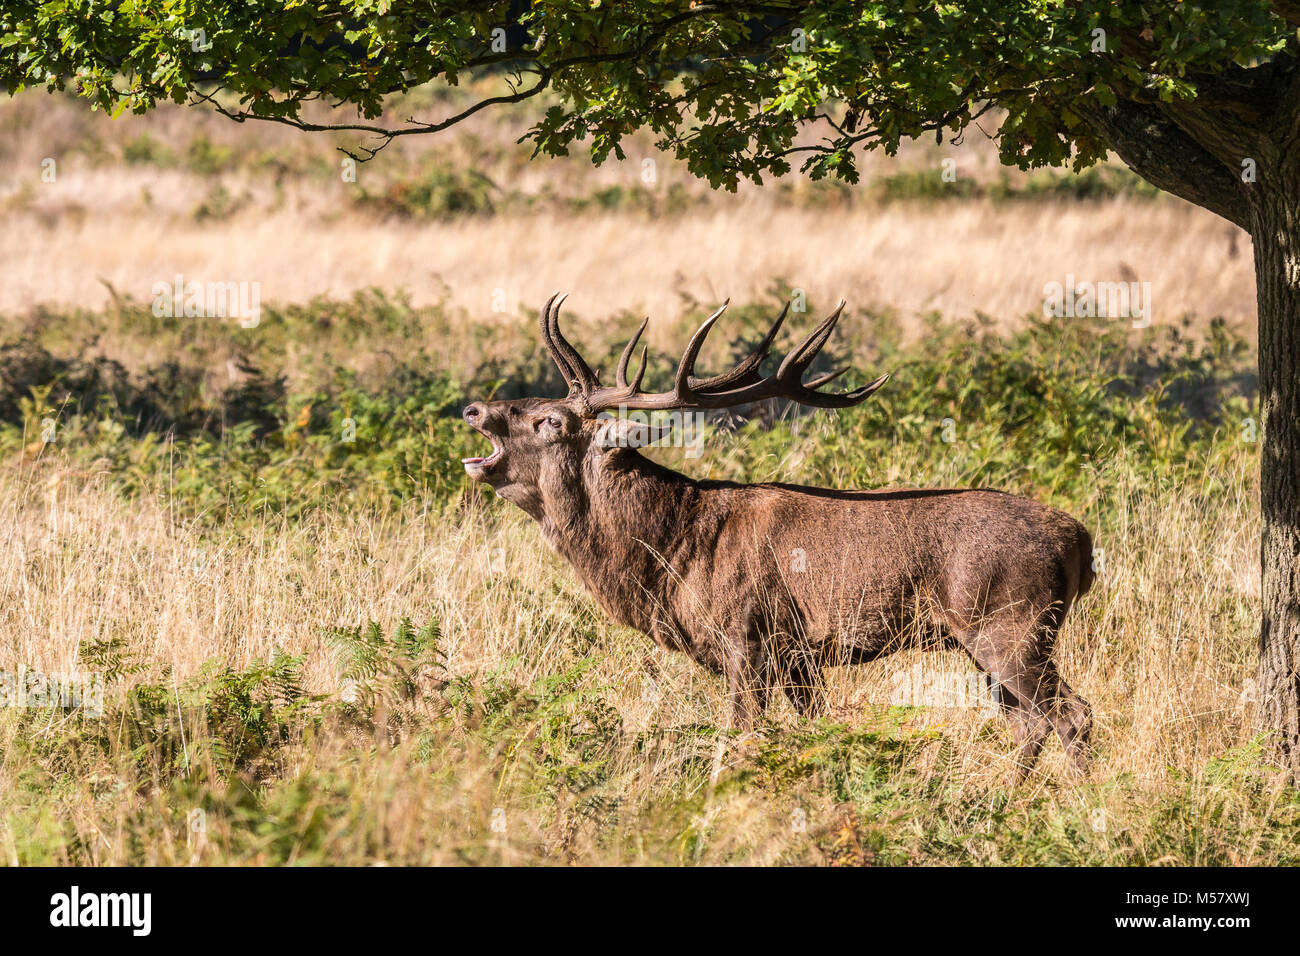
x=576, y=372
x=741, y=385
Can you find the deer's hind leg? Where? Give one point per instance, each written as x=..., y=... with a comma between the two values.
x=1016, y=654
x=1070, y=715
x=1017, y=680
x=1072, y=720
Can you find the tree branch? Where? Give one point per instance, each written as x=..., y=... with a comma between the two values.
x=1288, y=10
x=1163, y=153
x=546, y=73
x=386, y=134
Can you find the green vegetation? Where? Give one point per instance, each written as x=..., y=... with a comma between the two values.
x=1095, y=182
x=1034, y=410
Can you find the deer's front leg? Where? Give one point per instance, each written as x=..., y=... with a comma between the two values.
x=743, y=665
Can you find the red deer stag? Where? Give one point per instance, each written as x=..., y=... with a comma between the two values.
x=768, y=583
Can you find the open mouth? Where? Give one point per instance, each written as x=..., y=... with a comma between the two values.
x=481, y=463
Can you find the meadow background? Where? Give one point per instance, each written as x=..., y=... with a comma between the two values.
x=320, y=646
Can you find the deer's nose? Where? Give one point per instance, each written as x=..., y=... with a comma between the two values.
x=474, y=412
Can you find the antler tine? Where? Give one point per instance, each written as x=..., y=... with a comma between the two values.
x=549, y=341
x=640, y=372
x=858, y=394
x=682, y=381
x=581, y=378
x=621, y=375
x=793, y=366
x=841, y=399
x=826, y=379
x=746, y=373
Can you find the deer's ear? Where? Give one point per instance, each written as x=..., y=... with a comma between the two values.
x=629, y=433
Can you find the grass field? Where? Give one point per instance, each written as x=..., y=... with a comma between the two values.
x=316, y=642
x=467, y=220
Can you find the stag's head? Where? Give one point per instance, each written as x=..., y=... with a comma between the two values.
x=536, y=439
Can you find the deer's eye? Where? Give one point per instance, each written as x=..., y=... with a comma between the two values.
x=553, y=421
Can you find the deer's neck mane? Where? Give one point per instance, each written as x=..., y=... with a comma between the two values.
x=622, y=522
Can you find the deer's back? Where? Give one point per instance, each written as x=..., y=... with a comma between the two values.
x=872, y=563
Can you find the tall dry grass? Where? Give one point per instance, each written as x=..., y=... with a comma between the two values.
x=1162, y=647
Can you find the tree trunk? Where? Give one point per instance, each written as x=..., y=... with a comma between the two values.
x=1197, y=149
x=1275, y=227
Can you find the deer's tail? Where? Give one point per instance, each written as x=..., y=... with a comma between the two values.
x=1086, y=574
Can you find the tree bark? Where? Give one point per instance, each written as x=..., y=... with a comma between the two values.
x=1195, y=150
x=1156, y=148
x=1275, y=227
